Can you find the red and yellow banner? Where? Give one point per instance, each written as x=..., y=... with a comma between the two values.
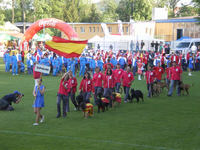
x=66, y=48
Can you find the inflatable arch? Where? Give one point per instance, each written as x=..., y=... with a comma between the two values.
x=49, y=23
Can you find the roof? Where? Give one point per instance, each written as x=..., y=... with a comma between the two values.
x=182, y=19
x=20, y=24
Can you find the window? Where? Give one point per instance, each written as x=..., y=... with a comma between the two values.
x=75, y=29
x=82, y=29
x=90, y=29
x=110, y=29
x=93, y=29
x=126, y=29
x=97, y=29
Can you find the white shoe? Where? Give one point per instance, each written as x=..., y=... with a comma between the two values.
x=36, y=124
x=75, y=109
x=42, y=120
x=17, y=74
x=189, y=74
x=13, y=74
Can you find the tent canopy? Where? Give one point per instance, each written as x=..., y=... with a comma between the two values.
x=7, y=37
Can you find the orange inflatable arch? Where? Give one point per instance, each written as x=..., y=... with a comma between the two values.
x=49, y=23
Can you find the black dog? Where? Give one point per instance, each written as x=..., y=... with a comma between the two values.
x=102, y=103
x=79, y=100
x=136, y=94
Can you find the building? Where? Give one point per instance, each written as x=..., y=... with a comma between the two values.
x=173, y=29
x=166, y=29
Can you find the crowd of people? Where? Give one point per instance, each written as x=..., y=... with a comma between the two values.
x=102, y=71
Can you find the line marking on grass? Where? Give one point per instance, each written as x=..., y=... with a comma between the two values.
x=92, y=140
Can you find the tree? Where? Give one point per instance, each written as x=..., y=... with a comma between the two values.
x=187, y=11
x=136, y=9
x=142, y=10
x=110, y=15
x=71, y=13
x=94, y=15
x=172, y=5
x=159, y=3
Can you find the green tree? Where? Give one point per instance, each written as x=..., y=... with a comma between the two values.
x=172, y=5
x=95, y=15
x=187, y=11
x=71, y=11
x=142, y=10
x=110, y=15
x=136, y=9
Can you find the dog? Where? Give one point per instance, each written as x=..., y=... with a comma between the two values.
x=87, y=109
x=116, y=99
x=102, y=103
x=163, y=85
x=156, y=89
x=136, y=94
x=184, y=87
x=79, y=100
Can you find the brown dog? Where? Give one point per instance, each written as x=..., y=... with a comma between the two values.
x=184, y=87
x=163, y=85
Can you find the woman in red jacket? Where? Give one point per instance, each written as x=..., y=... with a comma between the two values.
x=86, y=87
x=150, y=77
x=108, y=85
x=72, y=84
x=127, y=79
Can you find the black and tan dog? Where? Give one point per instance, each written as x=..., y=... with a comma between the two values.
x=102, y=103
x=79, y=100
x=136, y=94
x=184, y=87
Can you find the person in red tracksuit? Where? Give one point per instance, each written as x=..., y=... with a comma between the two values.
x=108, y=85
x=168, y=74
x=127, y=80
x=118, y=76
x=175, y=74
x=159, y=72
x=150, y=76
x=86, y=87
x=63, y=96
x=97, y=81
x=73, y=84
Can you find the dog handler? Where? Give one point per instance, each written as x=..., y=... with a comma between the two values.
x=176, y=72
x=6, y=101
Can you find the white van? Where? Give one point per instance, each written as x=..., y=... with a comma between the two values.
x=188, y=45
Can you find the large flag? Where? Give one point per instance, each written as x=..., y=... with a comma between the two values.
x=66, y=48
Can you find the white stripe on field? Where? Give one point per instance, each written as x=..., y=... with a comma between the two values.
x=92, y=140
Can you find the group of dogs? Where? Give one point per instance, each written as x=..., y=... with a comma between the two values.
x=104, y=103
x=113, y=100
x=158, y=87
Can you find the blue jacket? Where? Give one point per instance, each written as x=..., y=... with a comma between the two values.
x=13, y=59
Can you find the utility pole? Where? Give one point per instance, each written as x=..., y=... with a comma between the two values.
x=13, y=11
x=23, y=16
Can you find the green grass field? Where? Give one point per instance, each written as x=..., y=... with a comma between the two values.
x=160, y=123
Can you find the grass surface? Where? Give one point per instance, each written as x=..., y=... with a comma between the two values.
x=160, y=123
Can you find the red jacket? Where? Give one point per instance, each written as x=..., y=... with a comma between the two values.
x=118, y=75
x=97, y=79
x=62, y=89
x=168, y=73
x=175, y=73
x=109, y=81
x=86, y=85
x=105, y=66
x=72, y=84
x=150, y=75
x=159, y=72
x=127, y=78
